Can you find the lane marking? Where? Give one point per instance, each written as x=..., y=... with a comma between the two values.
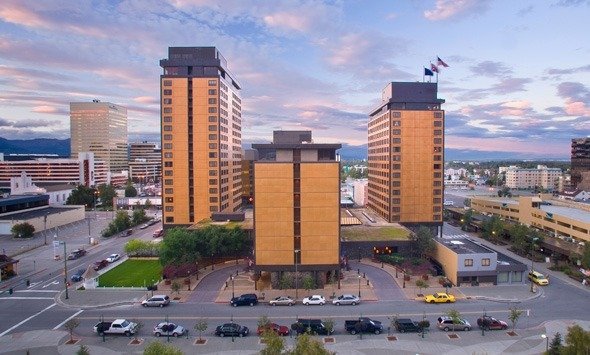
x=39, y=291
x=53, y=283
x=26, y=320
x=27, y=298
x=67, y=319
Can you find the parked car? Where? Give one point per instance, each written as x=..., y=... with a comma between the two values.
x=314, y=326
x=77, y=276
x=404, y=325
x=144, y=226
x=279, y=329
x=491, y=323
x=154, y=221
x=446, y=323
x=363, y=325
x=76, y=253
x=169, y=329
x=346, y=299
x=439, y=297
x=538, y=278
x=282, y=301
x=128, y=232
x=248, y=299
x=156, y=301
x=314, y=300
x=231, y=329
x=100, y=265
x=158, y=233
x=118, y=326
x=113, y=257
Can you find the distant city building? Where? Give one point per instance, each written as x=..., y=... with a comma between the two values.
x=542, y=176
x=575, y=195
x=100, y=128
x=145, y=162
x=360, y=192
x=296, y=211
x=580, y=163
x=249, y=157
x=406, y=147
x=82, y=171
x=456, y=174
x=58, y=193
x=201, y=136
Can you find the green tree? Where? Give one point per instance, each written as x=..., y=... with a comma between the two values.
x=423, y=242
x=306, y=345
x=138, y=217
x=81, y=195
x=83, y=350
x=106, y=193
x=179, y=247
x=274, y=344
x=23, y=230
x=514, y=316
x=157, y=348
x=286, y=281
x=71, y=325
x=466, y=219
x=586, y=256
x=201, y=326
x=263, y=321
x=492, y=228
x=130, y=190
x=121, y=221
x=556, y=345
x=467, y=202
x=455, y=315
x=148, y=204
x=577, y=341
x=518, y=236
x=421, y=284
x=329, y=324
x=175, y=287
x=308, y=283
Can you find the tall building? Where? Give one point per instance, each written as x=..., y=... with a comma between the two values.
x=249, y=156
x=406, y=148
x=580, y=163
x=297, y=205
x=100, y=128
x=145, y=162
x=201, y=136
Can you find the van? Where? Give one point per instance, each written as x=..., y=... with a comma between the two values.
x=538, y=278
x=156, y=301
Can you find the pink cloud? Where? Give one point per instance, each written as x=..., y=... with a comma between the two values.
x=445, y=9
x=288, y=21
x=577, y=108
x=146, y=100
x=45, y=109
x=504, y=145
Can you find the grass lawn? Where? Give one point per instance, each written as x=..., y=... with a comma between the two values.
x=132, y=273
x=363, y=233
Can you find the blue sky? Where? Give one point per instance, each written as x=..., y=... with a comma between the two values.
x=518, y=81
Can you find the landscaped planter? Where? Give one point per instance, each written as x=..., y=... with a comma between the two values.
x=407, y=277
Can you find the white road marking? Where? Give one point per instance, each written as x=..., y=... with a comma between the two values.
x=53, y=283
x=46, y=291
x=33, y=284
x=26, y=320
x=27, y=298
x=67, y=319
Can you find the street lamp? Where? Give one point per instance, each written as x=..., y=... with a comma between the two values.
x=232, y=286
x=56, y=243
x=45, y=228
x=297, y=251
x=544, y=336
x=533, y=240
x=359, y=285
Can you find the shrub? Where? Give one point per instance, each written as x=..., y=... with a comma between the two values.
x=23, y=230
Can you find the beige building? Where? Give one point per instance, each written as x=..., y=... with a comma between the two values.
x=145, y=162
x=100, y=128
x=201, y=136
x=521, y=178
x=406, y=154
x=296, y=210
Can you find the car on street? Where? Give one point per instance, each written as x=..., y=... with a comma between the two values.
x=156, y=301
x=76, y=253
x=538, y=278
x=128, y=232
x=279, y=329
x=363, y=325
x=491, y=323
x=231, y=329
x=77, y=276
x=314, y=300
x=282, y=301
x=118, y=326
x=144, y=226
x=248, y=299
x=113, y=257
x=447, y=323
x=169, y=329
x=439, y=297
x=158, y=233
x=313, y=326
x=404, y=325
x=100, y=265
x=346, y=300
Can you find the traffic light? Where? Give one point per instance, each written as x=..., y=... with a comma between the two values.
x=28, y=282
x=10, y=291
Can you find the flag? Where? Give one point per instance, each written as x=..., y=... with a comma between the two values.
x=428, y=72
x=434, y=68
x=440, y=62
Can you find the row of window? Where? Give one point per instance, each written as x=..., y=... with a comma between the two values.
x=484, y=262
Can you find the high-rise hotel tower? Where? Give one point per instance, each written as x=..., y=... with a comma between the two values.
x=406, y=154
x=201, y=136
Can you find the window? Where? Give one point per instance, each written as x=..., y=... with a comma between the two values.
x=167, y=145
x=212, y=181
x=468, y=262
x=212, y=101
x=168, y=182
x=517, y=276
x=167, y=83
x=212, y=118
x=212, y=92
x=167, y=137
x=212, y=155
x=167, y=128
x=169, y=191
x=169, y=208
x=437, y=140
x=212, y=137
x=212, y=145
x=396, y=123
x=485, y=262
x=212, y=128
x=437, y=149
x=396, y=140
x=169, y=199
x=212, y=172
x=167, y=109
x=167, y=92
x=168, y=155
x=212, y=109
x=396, y=132
x=213, y=190
x=167, y=101
x=168, y=164
x=212, y=82
x=438, y=115
x=437, y=123
x=213, y=199
x=396, y=114
x=167, y=119
x=168, y=173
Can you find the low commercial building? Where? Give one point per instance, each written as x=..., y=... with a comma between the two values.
x=521, y=178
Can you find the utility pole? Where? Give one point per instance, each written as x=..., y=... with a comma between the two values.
x=45, y=227
x=65, y=269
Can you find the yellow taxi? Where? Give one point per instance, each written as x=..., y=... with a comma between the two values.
x=538, y=278
x=439, y=297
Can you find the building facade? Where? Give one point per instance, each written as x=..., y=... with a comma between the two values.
x=201, y=136
x=249, y=156
x=580, y=163
x=521, y=178
x=406, y=154
x=145, y=162
x=296, y=210
x=100, y=128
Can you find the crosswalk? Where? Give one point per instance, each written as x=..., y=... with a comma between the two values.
x=455, y=236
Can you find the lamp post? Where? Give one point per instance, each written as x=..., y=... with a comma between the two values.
x=533, y=240
x=544, y=336
x=232, y=286
x=188, y=277
x=45, y=228
x=297, y=251
x=359, y=285
x=65, y=269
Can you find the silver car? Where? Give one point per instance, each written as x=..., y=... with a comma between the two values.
x=156, y=301
x=169, y=329
x=346, y=299
x=282, y=301
x=446, y=323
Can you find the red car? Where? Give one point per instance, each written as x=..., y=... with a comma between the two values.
x=279, y=329
x=100, y=265
x=491, y=323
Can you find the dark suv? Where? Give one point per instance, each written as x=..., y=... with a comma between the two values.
x=77, y=253
x=77, y=277
x=407, y=325
x=248, y=299
x=315, y=326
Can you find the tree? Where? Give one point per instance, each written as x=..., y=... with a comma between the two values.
x=130, y=190
x=421, y=284
x=586, y=256
x=285, y=281
x=175, y=287
x=514, y=316
x=138, y=326
x=106, y=194
x=577, y=341
x=492, y=228
x=274, y=344
x=81, y=195
x=467, y=202
x=308, y=283
x=138, y=216
x=455, y=315
x=263, y=321
x=466, y=220
x=179, y=247
x=518, y=236
x=83, y=350
x=329, y=324
x=157, y=348
x=148, y=204
x=306, y=345
x=555, y=346
x=201, y=326
x=23, y=230
x=423, y=242
x=71, y=325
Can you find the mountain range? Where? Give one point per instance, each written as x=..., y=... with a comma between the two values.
x=61, y=147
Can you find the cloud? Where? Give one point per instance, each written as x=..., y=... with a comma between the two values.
x=490, y=68
x=581, y=69
x=568, y=3
x=50, y=109
x=574, y=91
x=510, y=85
x=446, y=9
x=147, y=100
x=525, y=11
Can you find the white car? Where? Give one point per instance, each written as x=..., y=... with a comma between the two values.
x=347, y=299
x=315, y=299
x=113, y=258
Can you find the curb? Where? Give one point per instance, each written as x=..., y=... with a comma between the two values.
x=61, y=303
x=508, y=300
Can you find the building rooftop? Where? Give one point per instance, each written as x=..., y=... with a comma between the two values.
x=461, y=245
x=572, y=213
x=36, y=213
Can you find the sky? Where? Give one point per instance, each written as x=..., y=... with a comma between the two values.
x=518, y=78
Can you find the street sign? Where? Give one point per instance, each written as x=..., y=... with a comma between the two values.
x=56, y=243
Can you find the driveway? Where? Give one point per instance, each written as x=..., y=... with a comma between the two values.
x=384, y=286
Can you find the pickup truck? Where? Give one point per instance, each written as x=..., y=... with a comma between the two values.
x=364, y=325
x=118, y=326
